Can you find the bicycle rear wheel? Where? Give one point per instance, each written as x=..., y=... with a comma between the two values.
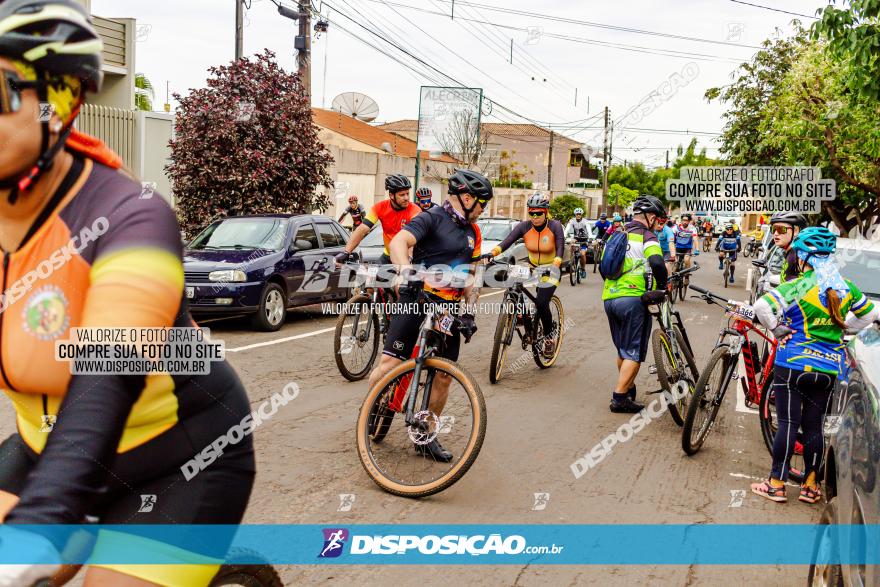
x=767, y=416
x=545, y=361
x=248, y=569
x=394, y=464
x=506, y=319
x=356, y=340
x=706, y=401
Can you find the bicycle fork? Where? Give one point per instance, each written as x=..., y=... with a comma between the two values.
x=413, y=387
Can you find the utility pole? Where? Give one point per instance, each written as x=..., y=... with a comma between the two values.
x=605, y=160
x=303, y=46
x=667, y=159
x=550, y=166
x=239, y=28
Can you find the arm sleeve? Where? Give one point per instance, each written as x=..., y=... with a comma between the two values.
x=765, y=314
x=372, y=216
x=517, y=233
x=136, y=280
x=559, y=235
x=341, y=216
x=658, y=269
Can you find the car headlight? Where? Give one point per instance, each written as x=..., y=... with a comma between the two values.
x=228, y=275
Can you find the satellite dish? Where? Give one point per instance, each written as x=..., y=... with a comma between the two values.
x=356, y=105
x=386, y=146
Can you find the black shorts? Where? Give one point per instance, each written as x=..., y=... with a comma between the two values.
x=403, y=331
x=218, y=494
x=630, y=325
x=683, y=251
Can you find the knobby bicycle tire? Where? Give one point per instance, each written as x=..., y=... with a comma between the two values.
x=500, y=346
x=246, y=568
x=373, y=330
x=663, y=352
x=537, y=353
x=720, y=359
x=470, y=453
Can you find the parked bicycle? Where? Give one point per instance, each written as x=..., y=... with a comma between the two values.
x=518, y=314
x=360, y=325
x=673, y=356
x=753, y=248
x=457, y=415
x=721, y=368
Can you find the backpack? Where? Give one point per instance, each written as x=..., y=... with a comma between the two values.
x=614, y=254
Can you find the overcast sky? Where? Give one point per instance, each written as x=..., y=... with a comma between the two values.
x=180, y=39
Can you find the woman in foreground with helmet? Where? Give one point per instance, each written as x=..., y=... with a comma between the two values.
x=809, y=316
x=89, y=443
x=544, y=238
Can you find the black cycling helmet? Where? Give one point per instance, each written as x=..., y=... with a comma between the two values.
x=790, y=218
x=476, y=185
x=397, y=183
x=649, y=205
x=686, y=216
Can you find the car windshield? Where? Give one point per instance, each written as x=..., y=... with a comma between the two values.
x=494, y=231
x=862, y=267
x=243, y=233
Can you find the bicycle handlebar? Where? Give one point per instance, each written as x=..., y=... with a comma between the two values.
x=684, y=272
x=707, y=294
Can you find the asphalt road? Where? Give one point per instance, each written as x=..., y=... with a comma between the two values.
x=539, y=422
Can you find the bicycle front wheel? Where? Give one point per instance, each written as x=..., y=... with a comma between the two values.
x=506, y=319
x=356, y=340
x=668, y=373
x=573, y=272
x=706, y=400
x=401, y=464
x=543, y=360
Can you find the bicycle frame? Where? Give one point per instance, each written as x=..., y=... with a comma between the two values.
x=741, y=329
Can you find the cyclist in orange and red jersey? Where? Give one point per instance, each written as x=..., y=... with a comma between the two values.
x=394, y=213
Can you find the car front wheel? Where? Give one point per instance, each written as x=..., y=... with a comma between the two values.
x=273, y=309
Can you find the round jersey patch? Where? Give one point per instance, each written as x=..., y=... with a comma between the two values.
x=45, y=313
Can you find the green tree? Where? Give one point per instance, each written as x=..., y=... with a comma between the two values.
x=619, y=195
x=246, y=144
x=562, y=207
x=853, y=35
x=817, y=120
x=144, y=93
x=755, y=83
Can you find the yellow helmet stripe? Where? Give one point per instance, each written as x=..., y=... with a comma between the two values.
x=82, y=48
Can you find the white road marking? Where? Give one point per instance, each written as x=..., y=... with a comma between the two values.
x=280, y=340
x=314, y=333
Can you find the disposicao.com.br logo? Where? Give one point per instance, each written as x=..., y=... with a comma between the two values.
x=432, y=544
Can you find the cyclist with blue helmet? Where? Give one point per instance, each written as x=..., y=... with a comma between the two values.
x=424, y=198
x=809, y=316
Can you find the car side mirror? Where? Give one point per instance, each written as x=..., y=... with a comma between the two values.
x=300, y=245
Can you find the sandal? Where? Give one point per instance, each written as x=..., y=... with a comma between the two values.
x=810, y=494
x=764, y=489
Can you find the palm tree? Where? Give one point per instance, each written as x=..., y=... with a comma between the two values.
x=143, y=93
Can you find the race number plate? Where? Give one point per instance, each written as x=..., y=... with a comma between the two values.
x=519, y=272
x=190, y=292
x=368, y=271
x=443, y=323
x=741, y=311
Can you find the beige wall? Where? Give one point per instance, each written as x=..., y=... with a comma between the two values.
x=118, y=89
x=533, y=152
x=154, y=130
x=331, y=137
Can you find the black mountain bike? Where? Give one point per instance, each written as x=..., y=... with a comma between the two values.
x=361, y=324
x=519, y=315
x=673, y=356
x=680, y=278
x=456, y=414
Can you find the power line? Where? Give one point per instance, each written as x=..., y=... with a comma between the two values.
x=595, y=24
x=621, y=46
x=775, y=9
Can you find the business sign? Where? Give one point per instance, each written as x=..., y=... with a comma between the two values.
x=446, y=115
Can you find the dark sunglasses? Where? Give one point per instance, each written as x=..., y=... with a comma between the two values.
x=11, y=86
x=536, y=214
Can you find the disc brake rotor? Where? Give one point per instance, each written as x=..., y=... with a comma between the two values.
x=425, y=427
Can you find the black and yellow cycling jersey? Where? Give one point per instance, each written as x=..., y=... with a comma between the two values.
x=130, y=275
